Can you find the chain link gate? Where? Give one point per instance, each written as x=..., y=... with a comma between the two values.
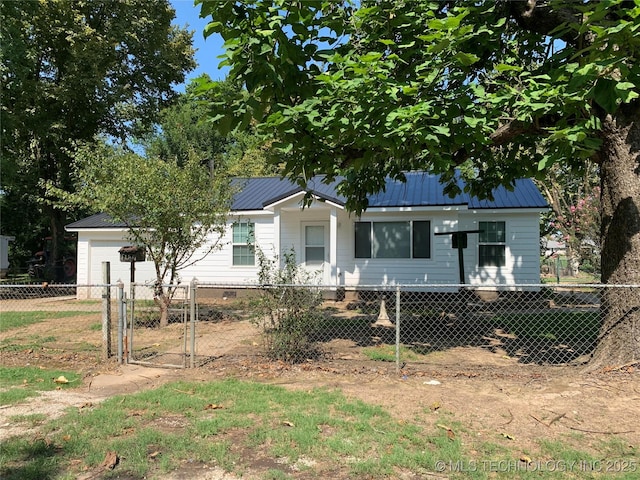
x=151, y=338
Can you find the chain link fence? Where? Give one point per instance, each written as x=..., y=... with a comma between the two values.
x=532, y=324
x=66, y=320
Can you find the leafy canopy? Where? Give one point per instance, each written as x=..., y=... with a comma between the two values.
x=366, y=89
x=71, y=70
x=174, y=210
x=184, y=129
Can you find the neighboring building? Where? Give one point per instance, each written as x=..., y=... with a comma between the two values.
x=402, y=238
x=4, y=254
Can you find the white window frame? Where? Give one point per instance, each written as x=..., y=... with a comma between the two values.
x=498, y=261
x=246, y=246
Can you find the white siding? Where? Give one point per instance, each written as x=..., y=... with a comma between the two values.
x=217, y=266
x=440, y=268
x=522, y=249
x=94, y=248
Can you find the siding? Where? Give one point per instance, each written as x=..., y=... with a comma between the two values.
x=522, y=250
x=440, y=268
x=217, y=266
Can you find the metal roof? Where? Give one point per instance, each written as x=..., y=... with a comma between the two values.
x=99, y=220
x=421, y=189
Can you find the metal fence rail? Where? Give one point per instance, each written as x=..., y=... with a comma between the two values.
x=405, y=324
x=59, y=318
x=147, y=341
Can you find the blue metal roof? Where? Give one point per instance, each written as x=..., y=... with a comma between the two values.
x=421, y=189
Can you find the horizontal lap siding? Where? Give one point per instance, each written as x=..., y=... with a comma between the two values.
x=217, y=266
x=441, y=267
x=522, y=251
x=82, y=258
x=523, y=261
x=106, y=249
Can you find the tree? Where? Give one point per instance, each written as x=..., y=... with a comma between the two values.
x=488, y=90
x=185, y=128
x=575, y=215
x=176, y=212
x=72, y=70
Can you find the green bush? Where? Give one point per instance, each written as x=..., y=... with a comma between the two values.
x=287, y=310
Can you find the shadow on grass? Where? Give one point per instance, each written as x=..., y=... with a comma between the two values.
x=22, y=459
x=521, y=327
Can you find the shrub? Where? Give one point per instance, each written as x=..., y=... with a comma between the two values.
x=287, y=310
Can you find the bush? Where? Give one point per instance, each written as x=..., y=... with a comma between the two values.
x=287, y=310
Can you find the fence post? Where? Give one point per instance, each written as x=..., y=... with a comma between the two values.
x=398, y=329
x=106, y=310
x=192, y=316
x=129, y=339
x=121, y=320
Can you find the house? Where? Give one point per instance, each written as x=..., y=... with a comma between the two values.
x=4, y=254
x=403, y=238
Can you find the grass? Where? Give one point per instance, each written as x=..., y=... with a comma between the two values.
x=29, y=420
x=387, y=353
x=557, y=326
x=13, y=320
x=33, y=342
x=223, y=423
x=320, y=433
x=18, y=384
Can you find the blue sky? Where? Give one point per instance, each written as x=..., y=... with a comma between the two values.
x=187, y=15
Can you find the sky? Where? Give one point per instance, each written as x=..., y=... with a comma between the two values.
x=187, y=15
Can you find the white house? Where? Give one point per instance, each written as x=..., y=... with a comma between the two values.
x=4, y=254
x=404, y=237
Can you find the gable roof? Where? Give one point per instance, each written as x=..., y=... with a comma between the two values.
x=420, y=190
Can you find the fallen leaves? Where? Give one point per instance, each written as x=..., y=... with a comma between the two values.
x=450, y=433
x=110, y=460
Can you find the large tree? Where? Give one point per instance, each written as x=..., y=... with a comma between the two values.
x=495, y=90
x=70, y=70
x=184, y=128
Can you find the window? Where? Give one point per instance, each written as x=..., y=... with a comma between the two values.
x=492, y=250
x=314, y=244
x=243, y=239
x=393, y=239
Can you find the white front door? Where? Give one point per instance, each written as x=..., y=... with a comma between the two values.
x=315, y=251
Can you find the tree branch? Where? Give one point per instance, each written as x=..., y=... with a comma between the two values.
x=539, y=17
x=503, y=134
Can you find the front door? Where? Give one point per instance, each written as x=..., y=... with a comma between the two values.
x=315, y=237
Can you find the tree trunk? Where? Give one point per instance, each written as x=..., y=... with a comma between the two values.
x=164, y=312
x=619, y=338
x=53, y=267
x=162, y=299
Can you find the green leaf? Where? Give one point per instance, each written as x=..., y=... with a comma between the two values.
x=466, y=59
x=473, y=122
x=501, y=67
x=605, y=94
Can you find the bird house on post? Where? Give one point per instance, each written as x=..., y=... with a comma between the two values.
x=132, y=254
